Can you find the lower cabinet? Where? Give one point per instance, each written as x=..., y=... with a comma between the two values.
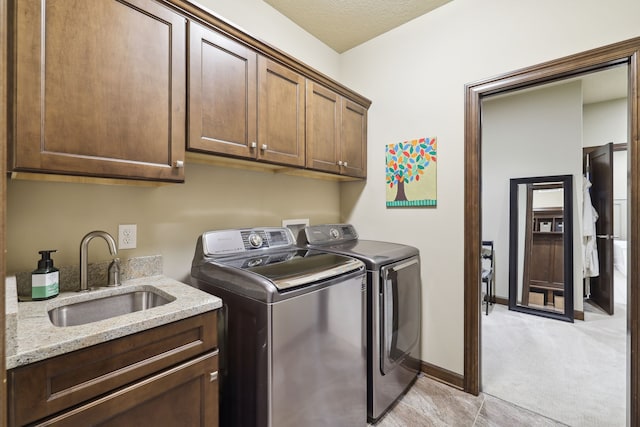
x=182, y=396
x=166, y=376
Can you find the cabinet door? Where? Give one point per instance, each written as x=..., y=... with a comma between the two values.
x=280, y=114
x=354, y=140
x=222, y=94
x=100, y=88
x=40, y=389
x=323, y=128
x=186, y=395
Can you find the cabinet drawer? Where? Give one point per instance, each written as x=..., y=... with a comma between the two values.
x=186, y=395
x=44, y=388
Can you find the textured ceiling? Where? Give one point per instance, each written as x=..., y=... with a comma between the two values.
x=343, y=24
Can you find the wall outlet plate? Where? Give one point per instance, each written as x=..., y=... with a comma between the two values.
x=299, y=222
x=127, y=236
x=296, y=225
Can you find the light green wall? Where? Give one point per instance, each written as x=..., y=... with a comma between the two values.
x=46, y=215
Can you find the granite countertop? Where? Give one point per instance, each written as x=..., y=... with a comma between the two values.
x=30, y=335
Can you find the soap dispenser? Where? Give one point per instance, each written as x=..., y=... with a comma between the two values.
x=45, y=281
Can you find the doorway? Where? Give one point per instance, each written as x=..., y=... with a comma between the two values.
x=546, y=366
x=627, y=52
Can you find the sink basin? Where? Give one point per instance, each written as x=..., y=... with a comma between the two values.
x=80, y=313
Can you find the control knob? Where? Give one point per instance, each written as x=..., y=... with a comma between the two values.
x=255, y=240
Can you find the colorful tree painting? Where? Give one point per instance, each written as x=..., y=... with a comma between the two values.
x=409, y=162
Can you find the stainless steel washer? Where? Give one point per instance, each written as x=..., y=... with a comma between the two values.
x=292, y=329
x=393, y=309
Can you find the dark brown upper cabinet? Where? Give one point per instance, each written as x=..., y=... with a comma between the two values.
x=280, y=114
x=222, y=94
x=323, y=112
x=336, y=134
x=242, y=104
x=354, y=139
x=100, y=89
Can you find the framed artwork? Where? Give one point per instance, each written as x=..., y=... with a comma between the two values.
x=411, y=173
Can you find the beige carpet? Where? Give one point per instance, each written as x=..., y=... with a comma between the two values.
x=574, y=373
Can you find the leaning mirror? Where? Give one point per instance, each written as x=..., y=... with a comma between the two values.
x=541, y=246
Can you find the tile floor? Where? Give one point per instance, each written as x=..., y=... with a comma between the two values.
x=430, y=403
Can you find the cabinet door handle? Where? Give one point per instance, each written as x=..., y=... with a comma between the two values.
x=263, y=147
x=339, y=162
x=253, y=145
x=179, y=164
x=213, y=376
x=345, y=164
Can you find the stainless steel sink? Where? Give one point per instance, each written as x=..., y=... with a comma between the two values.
x=80, y=313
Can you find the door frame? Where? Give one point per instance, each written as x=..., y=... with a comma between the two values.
x=626, y=52
x=4, y=131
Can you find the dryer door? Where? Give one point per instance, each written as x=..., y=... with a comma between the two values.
x=400, y=303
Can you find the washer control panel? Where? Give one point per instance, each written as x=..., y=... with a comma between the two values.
x=239, y=241
x=330, y=233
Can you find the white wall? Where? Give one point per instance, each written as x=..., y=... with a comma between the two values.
x=620, y=190
x=415, y=76
x=529, y=134
x=605, y=122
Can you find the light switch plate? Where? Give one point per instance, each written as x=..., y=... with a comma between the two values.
x=127, y=236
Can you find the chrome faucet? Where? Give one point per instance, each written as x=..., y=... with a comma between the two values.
x=84, y=246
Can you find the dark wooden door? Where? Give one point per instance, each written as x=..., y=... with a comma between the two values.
x=100, y=88
x=185, y=395
x=222, y=94
x=281, y=121
x=354, y=140
x=323, y=128
x=601, y=172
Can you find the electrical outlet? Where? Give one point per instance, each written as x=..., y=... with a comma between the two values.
x=127, y=234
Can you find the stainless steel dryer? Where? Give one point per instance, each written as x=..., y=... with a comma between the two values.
x=291, y=330
x=393, y=309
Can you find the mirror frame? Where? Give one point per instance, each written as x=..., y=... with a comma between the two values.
x=567, y=184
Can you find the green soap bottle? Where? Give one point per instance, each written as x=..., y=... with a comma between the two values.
x=45, y=281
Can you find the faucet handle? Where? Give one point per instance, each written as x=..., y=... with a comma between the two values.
x=114, y=273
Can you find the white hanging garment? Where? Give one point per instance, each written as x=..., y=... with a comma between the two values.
x=589, y=218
